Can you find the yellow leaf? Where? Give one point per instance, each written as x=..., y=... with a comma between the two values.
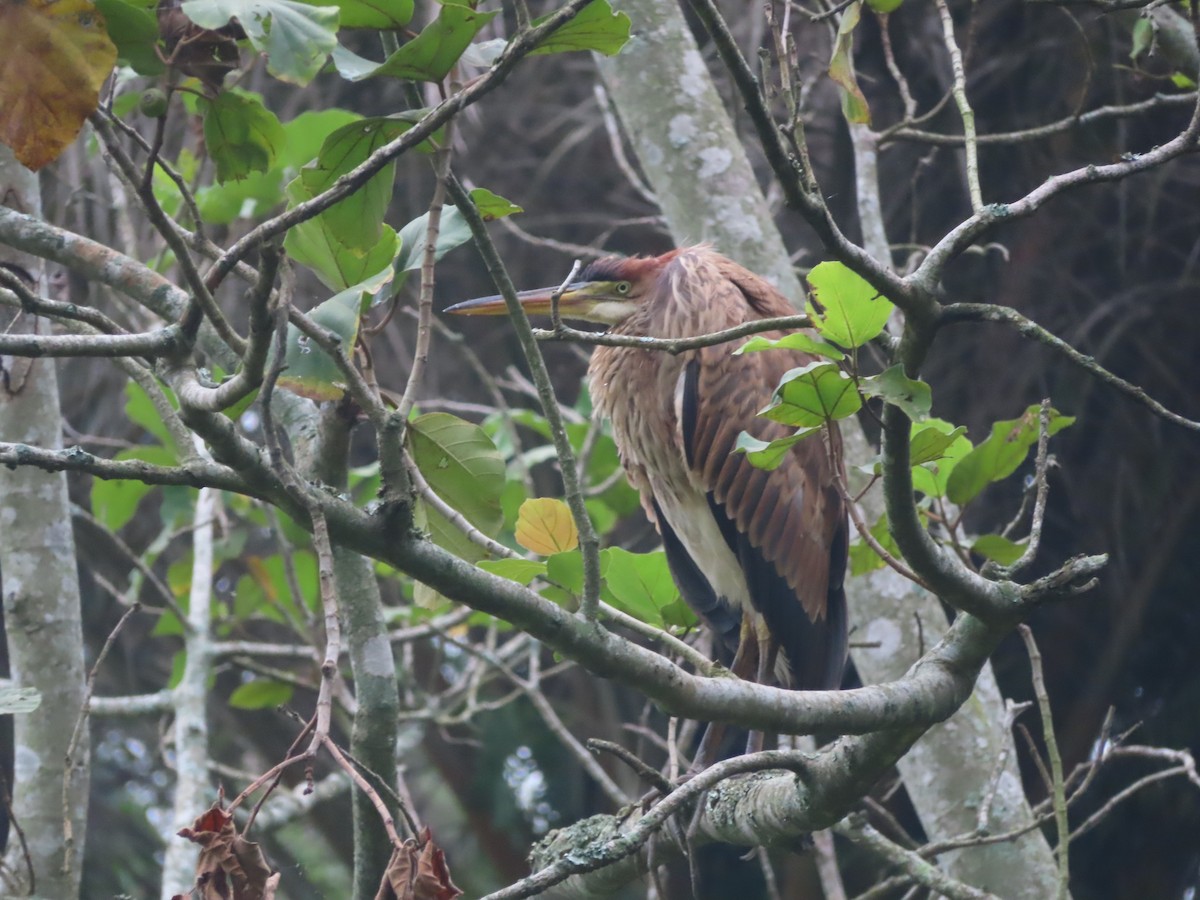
x=545, y=527
x=56, y=57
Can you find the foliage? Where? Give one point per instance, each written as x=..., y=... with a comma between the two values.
x=484, y=485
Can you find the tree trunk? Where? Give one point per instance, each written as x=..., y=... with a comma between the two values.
x=41, y=611
x=694, y=160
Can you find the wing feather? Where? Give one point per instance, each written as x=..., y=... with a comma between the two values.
x=787, y=527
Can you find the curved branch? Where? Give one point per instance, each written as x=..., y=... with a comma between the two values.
x=195, y=473
x=927, y=275
x=150, y=344
x=806, y=199
x=1100, y=114
x=988, y=312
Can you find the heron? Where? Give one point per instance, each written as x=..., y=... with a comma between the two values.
x=759, y=555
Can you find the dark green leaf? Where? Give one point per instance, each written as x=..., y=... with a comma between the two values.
x=296, y=37
x=260, y=192
x=357, y=220
x=134, y=29
x=260, y=694
x=462, y=465
x=844, y=308
x=318, y=246
x=929, y=442
x=309, y=370
x=812, y=395
x=894, y=387
x=242, y=135
x=1000, y=455
x=595, y=27
x=429, y=56
x=453, y=231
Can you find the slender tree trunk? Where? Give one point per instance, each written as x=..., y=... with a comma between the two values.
x=695, y=163
x=41, y=612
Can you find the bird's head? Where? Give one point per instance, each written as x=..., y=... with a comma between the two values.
x=608, y=291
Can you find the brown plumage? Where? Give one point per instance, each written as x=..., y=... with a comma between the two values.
x=742, y=543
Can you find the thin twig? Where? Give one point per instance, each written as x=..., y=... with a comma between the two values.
x=1056, y=767
x=964, y=106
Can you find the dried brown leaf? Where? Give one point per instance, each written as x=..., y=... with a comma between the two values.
x=230, y=867
x=418, y=871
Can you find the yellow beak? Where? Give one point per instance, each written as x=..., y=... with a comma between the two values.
x=575, y=302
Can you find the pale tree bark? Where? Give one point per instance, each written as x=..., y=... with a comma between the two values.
x=41, y=611
x=693, y=158
x=193, y=791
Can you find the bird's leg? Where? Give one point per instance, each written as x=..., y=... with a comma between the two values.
x=768, y=650
x=744, y=662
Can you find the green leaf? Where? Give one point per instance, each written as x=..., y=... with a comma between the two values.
x=841, y=68
x=566, y=571
x=115, y=501
x=134, y=29
x=930, y=476
x=449, y=537
x=1000, y=455
x=797, y=340
x=318, y=246
x=429, y=56
x=242, y=135
x=260, y=192
x=462, y=465
x=1182, y=81
x=310, y=371
x=453, y=231
x=19, y=700
x=260, y=694
x=493, y=206
x=884, y=6
x=999, y=549
x=769, y=454
x=141, y=411
x=264, y=590
x=641, y=585
x=1143, y=38
x=812, y=395
x=929, y=442
x=894, y=387
x=296, y=37
x=845, y=309
x=521, y=571
x=863, y=558
x=377, y=14
x=595, y=27
x=357, y=220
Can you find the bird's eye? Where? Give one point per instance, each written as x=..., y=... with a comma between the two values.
x=623, y=287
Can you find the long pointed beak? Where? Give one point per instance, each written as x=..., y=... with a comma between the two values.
x=573, y=302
